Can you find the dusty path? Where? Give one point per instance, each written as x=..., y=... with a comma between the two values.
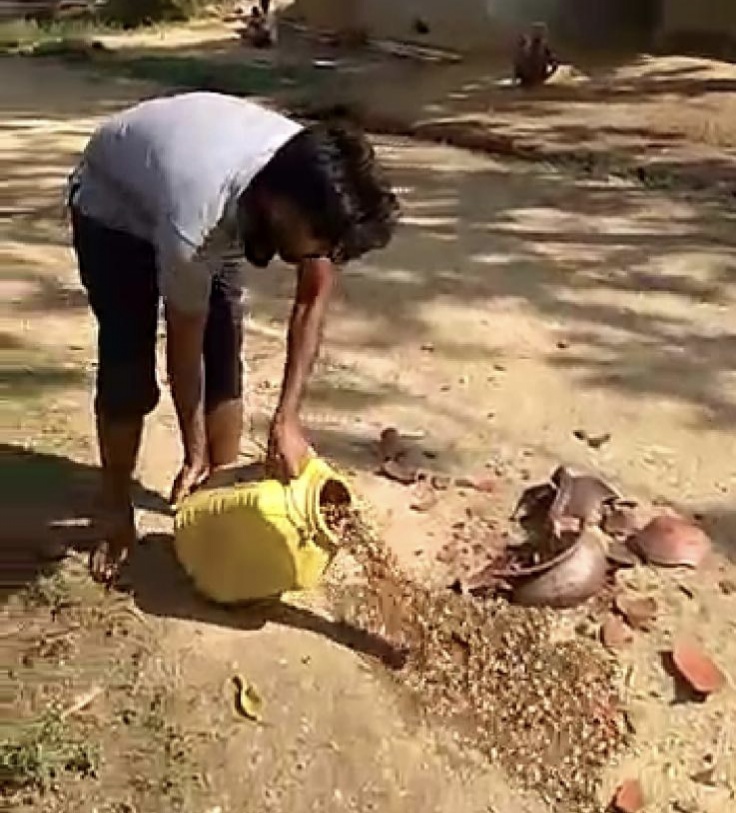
x=516, y=306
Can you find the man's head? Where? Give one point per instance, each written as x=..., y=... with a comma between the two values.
x=539, y=33
x=322, y=194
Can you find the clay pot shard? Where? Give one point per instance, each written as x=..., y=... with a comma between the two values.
x=672, y=541
x=696, y=668
x=629, y=797
x=577, y=577
x=621, y=522
x=580, y=495
x=534, y=502
x=639, y=612
x=615, y=634
x=620, y=555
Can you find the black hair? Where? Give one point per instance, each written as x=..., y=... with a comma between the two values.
x=329, y=172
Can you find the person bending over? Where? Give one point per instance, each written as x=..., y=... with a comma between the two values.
x=166, y=199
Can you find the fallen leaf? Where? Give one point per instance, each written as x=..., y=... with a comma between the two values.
x=672, y=541
x=615, y=634
x=639, y=611
x=706, y=777
x=425, y=498
x=441, y=482
x=248, y=702
x=629, y=797
x=696, y=668
x=82, y=701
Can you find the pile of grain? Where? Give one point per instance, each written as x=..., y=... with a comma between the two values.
x=547, y=711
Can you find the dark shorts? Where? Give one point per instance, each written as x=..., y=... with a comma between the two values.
x=118, y=271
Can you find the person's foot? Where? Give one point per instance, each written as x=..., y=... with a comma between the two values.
x=108, y=558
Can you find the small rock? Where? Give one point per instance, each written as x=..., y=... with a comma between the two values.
x=428, y=347
x=639, y=612
x=727, y=587
x=563, y=345
x=615, y=634
x=446, y=554
x=598, y=441
x=696, y=668
x=629, y=797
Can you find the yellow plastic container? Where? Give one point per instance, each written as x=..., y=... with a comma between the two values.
x=259, y=540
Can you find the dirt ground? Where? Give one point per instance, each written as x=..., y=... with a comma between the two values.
x=519, y=303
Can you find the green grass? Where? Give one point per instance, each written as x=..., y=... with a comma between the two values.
x=36, y=755
x=191, y=72
x=28, y=36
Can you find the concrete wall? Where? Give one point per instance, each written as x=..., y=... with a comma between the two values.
x=710, y=17
x=475, y=24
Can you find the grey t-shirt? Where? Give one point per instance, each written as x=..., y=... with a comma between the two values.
x=170, y=171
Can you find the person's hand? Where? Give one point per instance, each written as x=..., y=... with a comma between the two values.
x=288, y=449
x=190, y=477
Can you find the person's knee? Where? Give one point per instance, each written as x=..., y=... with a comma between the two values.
x=126, y=392
x=223, y=344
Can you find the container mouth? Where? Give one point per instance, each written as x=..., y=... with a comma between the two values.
x=332, y=493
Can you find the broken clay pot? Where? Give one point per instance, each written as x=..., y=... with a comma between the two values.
x=580, y=495
x=569, y=580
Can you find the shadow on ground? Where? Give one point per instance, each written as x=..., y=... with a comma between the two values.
x=47, y=504
x=160, y=587
x=720, y=523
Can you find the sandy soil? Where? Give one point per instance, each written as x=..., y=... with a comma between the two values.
x=517, y=305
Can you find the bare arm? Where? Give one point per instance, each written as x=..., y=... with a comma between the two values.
x=315, y=281
x=184, y=340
